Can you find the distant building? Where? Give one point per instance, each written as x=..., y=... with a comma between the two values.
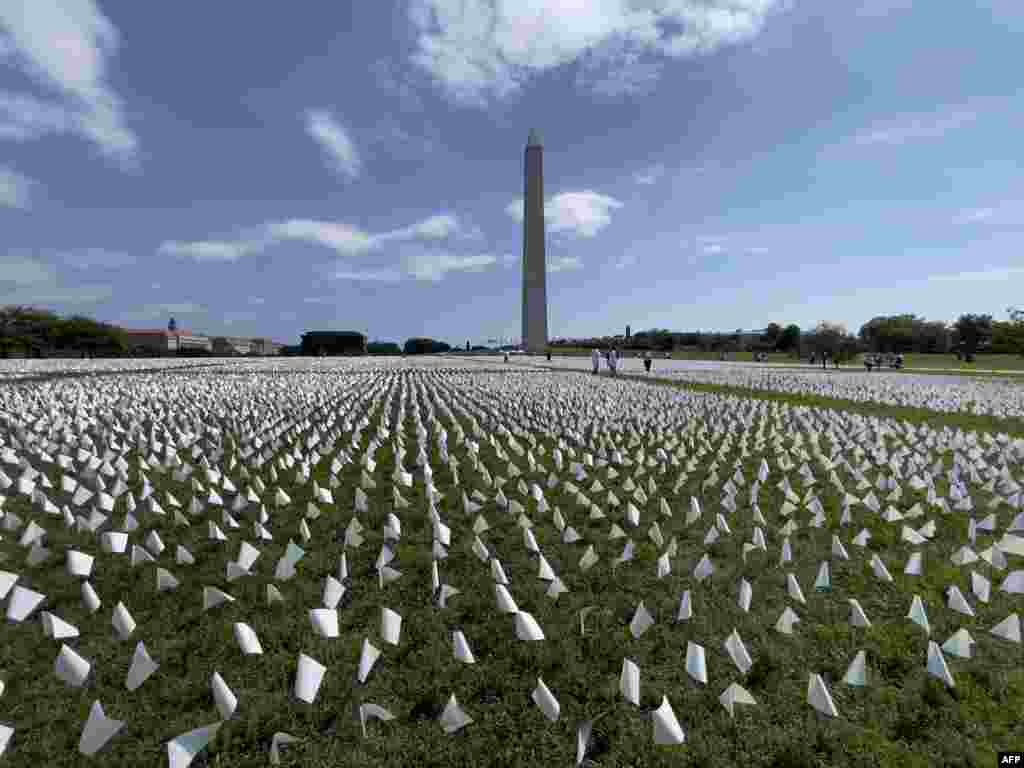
x=317, y=343
x=266, y=347
x=162, y=342
x=627, y=332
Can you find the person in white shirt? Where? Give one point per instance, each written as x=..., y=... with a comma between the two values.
x=595, y=360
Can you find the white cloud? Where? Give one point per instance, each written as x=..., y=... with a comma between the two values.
x=350, y=241
x=211, y=250
x=78, y=294
x=433, y=265
x=563, y=263
x=581, y=213
x=341, y=237
x=477, y=49
x=26, y=117
x=66, y=45
x=1007, y=211
x=716, y=245
x=632, y=77
x=650, y=175
x=988, y=275
x=96, y=258
x=978, y=214
x=371, y=275
x=15, y=189
x=434, y=228
x=25, y=271
x=918, y=127
x=335, y=140
x=28, y=280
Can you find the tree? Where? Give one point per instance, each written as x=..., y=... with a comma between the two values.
x=424, y=346
x=826, y=337
x=789, y=339
x=1008, y=335
x=973, y=332
x=383, y=348
x=28, y=329
x=83, y=334
x=772, y=333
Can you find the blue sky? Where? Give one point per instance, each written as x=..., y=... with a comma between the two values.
x=709, y=164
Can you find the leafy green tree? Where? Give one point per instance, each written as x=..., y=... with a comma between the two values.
x=973, y=332
x=1008, y=335
x=28, y=329
x=383, y=348
x=423, y=346
x=789, y=339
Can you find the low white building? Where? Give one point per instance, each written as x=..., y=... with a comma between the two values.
x=162, y=341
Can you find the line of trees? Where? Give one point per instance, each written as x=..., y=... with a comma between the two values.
x=968, y=335
x=894, y=334
x=34, y=332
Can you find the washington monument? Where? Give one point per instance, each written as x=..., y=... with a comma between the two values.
x=535, y=299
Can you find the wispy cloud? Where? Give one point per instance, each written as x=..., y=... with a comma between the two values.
x=29, y=280
x=650, y=175
x=433, y=265
x=22, y=271
x=96, y=258
x=478, y=49
x=580, y=213
x=66, y=46
x=211, y=250
x=368, y=275
x=15, y=189
x=632, y=76
x=978, y=214
x=987, y=275
x=996, y=212
x=564, y=263
x=388, y=78
x=915, y=127
x=334, y=139
x=715, y=245
x=342, y=238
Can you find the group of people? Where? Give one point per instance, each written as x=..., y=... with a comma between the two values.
x=611, y=357
x=825, y=357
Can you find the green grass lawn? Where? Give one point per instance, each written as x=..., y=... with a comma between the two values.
x=903, y=717
x=945, y=362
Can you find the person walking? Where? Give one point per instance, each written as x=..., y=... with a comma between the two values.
x=595, y=360
x=613, y=362
x=647, y=362
x=824, y=360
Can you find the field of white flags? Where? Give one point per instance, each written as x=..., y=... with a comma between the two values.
x=456, y=563
x=1002, y=397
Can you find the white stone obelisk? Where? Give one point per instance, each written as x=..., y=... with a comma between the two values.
x=535, y=301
